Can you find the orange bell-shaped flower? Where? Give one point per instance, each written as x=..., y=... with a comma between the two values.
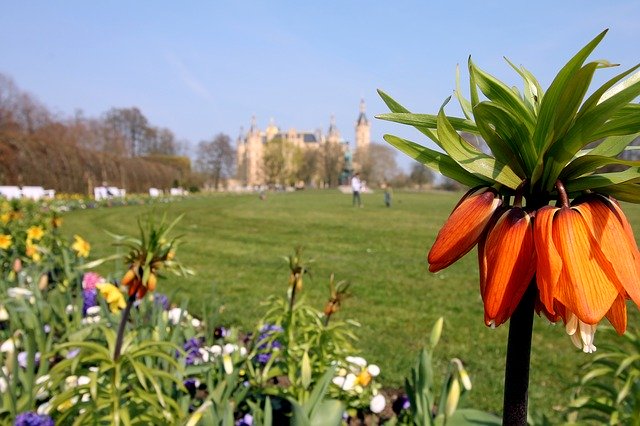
x=587, y=261
x=464, y=227
x=507, y=264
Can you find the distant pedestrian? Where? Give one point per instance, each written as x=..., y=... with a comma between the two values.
x=356, y=187
x=387, y=196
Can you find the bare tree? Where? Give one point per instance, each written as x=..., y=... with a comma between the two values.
x=380, y=164
x=332, y=163
x=216, y=158
x=130, y=126
x=420, y=175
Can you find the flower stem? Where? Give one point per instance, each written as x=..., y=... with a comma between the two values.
x=516, y=378
x=122, y=326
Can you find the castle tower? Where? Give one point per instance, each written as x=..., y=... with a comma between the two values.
x=254, y=154
x=363, y=131
x=333, y=135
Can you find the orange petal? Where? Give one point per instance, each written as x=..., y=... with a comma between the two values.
x=606, y=228
x=613, y=203
x=617, y=315
x=510, y=264
x=463, y=228
x=588, y=284
x=549, y=264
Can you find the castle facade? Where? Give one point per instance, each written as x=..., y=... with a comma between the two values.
x=251, y=147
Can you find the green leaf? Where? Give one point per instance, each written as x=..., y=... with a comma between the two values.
x=598, y=181
x=428, y=121
x=397, y=108
x=329, y=413
x=589, y=164
x=532, y=90
x=613, y=145
x=437, y=161
x=625, y=122
x=497, y=91
x=507, y=137
x=465, y=105
x=472, y=160
x=545, y=132
x=584, y=129
x=629, y=192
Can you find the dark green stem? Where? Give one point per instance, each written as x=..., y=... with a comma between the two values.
x=123, y=324
x=516, y=377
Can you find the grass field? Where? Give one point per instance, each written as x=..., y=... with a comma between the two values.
x=236, y=245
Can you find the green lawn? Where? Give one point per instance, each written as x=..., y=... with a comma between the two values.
x=236, y=245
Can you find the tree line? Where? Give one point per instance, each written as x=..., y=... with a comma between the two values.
x=120, y=148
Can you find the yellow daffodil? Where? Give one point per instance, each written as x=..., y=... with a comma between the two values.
x=5, y=241
x=112, y=295
x=81, y=246
x=35, y=233
x=5, y=217
x=33, y=252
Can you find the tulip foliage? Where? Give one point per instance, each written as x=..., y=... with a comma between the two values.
x=543, y=207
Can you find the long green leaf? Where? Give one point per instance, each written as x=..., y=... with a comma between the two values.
x=437, y=161
x=613, y=145
x=532, y=90
x=583, y=130
x=597, y=181
x=590, y=163
x=545, y=133
x=629, y=192
x=397, y=108
x=472, y=160
x=497, y=91
x=465, y=104
x=507, y=137
x=428, y=121
x=626, y=124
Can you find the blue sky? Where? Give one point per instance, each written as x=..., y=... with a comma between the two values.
x=200, y=68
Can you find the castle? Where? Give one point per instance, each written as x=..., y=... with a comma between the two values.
x=251, y=147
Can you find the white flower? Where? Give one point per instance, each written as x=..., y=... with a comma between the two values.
x=229, y=348
x=8, y=345
x=357, y=360
x=373, y=369
x=69, y=309
x=377, y=404
x=195, y=322
x=216, y=350
x=44, y=408
x=18, y=292
x=4, y=315
x=204, y=354
x=243, y=351
x=83, y=380
x=346, y=383
x=93, y=310
x=175, y=315
x=71, y=381
x=3, y=385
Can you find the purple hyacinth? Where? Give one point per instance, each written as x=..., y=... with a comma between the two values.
x=191, y=385
x=192, y=349
x=89, y=300
x=161, y=300
x=268, y=345
x=246, y=420
x=23, y=359
x=33, y=419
